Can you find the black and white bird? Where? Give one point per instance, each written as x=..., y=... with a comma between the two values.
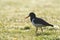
x=38, y=22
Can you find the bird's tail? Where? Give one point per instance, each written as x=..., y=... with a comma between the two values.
x=51, y=25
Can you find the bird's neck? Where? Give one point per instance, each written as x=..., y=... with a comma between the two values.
x=31, y=18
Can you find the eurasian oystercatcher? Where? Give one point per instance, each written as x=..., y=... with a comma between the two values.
x=38, y=22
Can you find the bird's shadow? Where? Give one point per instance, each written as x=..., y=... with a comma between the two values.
x=44, y=33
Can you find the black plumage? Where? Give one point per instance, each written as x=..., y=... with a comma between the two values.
x=38, y=22
x=41, y=21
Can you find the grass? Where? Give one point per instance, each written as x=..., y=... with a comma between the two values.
x=12, y=19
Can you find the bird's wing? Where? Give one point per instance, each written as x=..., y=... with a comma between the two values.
x=41, y=21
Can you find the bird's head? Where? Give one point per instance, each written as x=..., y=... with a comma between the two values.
x=31, y=15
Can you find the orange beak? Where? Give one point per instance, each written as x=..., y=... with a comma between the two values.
x=26, y=17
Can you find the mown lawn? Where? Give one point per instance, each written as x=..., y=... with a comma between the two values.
x=13, y=22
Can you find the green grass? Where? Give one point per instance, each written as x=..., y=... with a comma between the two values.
x=12, y=19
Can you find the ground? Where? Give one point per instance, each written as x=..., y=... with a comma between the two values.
x=13, y=22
